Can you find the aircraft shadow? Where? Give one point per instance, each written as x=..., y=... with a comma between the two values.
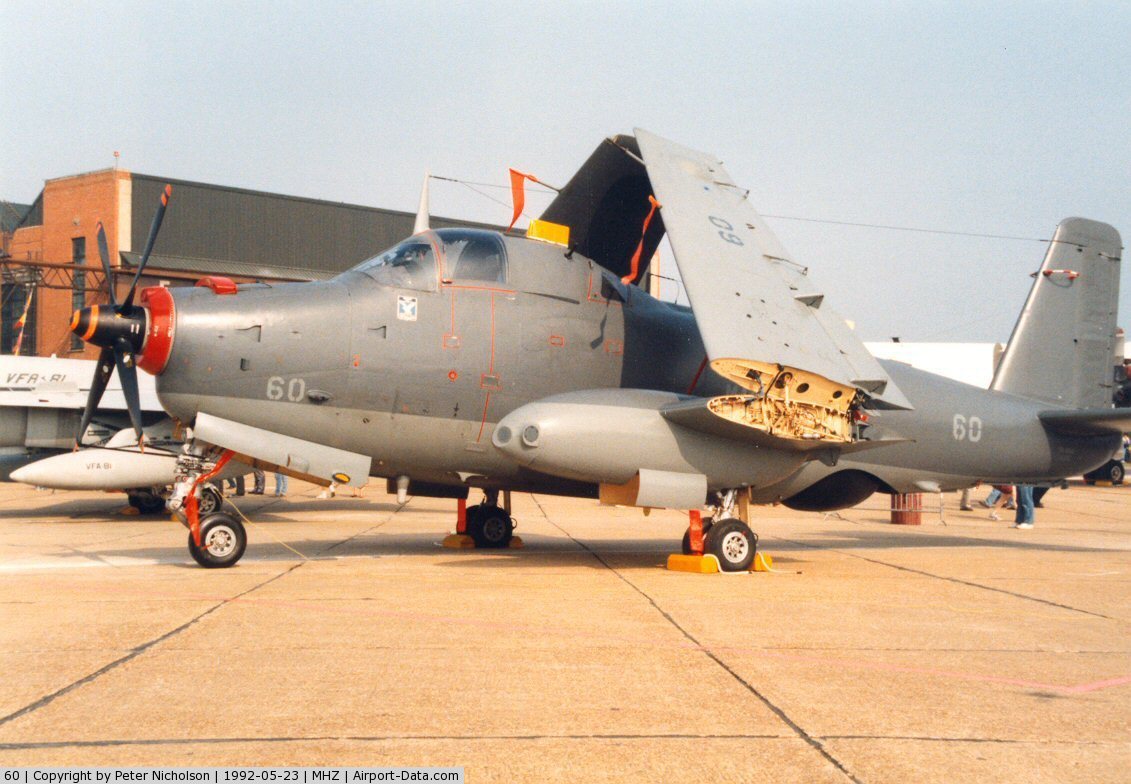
x=909, y=540
x=545, y=551
x=76, y=512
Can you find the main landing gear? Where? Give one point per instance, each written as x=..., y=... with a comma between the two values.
x=724, y=536
x=485, y=526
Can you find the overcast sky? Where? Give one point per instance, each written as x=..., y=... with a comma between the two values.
x=991, y=118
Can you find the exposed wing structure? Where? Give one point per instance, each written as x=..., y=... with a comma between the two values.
x=765, y=326
x=714, y=416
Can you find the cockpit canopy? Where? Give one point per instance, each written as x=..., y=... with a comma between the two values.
x=466, y=255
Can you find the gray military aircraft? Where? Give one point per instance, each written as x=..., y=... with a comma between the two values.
x=464, y=359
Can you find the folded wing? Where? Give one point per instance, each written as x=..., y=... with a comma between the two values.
x=765, y=326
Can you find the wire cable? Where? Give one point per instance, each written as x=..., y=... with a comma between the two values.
x=247, y=520
x=540, y=188
x=915, y=229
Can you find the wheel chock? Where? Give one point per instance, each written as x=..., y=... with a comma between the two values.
x=1104, y=483
x=516, y=543
x=129, y=511
x=709, y=564
x=696, y=564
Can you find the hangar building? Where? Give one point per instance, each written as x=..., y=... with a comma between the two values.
x=51, y=254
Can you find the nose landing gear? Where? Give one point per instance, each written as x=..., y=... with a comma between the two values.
x=219, y=539
x=222, y=541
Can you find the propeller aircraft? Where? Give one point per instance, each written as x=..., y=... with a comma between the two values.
x=467, y=359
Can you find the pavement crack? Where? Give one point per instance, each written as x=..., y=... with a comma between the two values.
x=955, y=580
x=138, y=651
x=116, y=742
x=371, y=528
x=815, y=743
x=958, y=739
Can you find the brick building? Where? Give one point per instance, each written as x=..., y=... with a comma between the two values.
x=246, y=235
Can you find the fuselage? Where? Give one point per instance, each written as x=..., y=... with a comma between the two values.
x=413, y=359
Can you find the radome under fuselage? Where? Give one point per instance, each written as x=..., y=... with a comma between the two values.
x=418, y=377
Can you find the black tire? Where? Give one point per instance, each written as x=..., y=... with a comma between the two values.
x=211, y=501
x=686, y=547
x=733, y=543
x=489, y=526
x=224, y=540
x=146, y=502
x=1116, y=473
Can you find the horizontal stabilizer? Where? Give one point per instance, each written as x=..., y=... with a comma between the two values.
x=702, y=414
x=1088, y=422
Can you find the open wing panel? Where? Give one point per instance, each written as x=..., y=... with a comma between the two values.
x=763, y=323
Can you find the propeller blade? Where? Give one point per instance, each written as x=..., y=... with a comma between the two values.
x=104, y=252
x=102, y=372
x=127, y=374
x=128, y=302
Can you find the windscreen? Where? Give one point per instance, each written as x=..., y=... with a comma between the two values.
x=410, y=265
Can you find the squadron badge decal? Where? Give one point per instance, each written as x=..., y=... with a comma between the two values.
x=406, y=308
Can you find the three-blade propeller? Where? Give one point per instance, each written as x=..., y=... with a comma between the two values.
x=118, y=329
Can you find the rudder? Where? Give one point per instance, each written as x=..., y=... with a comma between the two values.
x=1062, y=349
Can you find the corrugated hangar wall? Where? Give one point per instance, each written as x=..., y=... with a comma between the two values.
x=215, y=222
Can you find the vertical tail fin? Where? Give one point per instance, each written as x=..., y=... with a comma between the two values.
x=1062, y=349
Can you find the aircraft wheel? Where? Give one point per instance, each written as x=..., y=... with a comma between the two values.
x=687, y=537
x=1116, y=473
x=211, y=501
x=224, y=540
x=146, y=502
x=489, y=526
x=733, y=543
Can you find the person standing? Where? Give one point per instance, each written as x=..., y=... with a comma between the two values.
x=280, y=485
x=236, y=483
x=1025, y=511
x=964, y=500
x=260, y=482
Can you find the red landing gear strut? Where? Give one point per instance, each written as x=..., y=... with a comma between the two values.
x=192, y=505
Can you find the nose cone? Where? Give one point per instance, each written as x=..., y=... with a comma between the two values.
x=84, y=322
x=105, y=325
x=31, y=474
